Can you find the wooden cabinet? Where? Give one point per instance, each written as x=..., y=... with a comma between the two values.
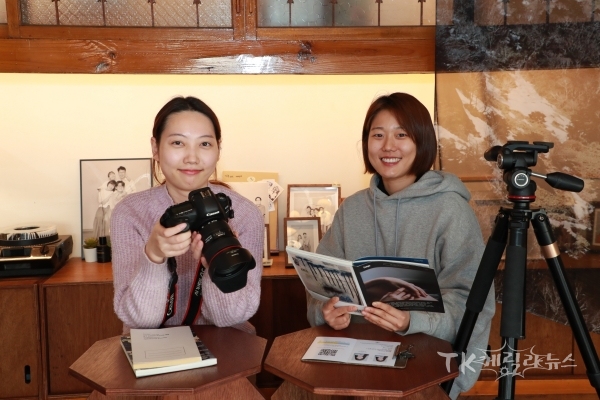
x=78, y=311
x=20, y=346
x=243, y=47
x=47, y=323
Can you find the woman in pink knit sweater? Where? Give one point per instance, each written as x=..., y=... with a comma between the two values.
x=186, y=145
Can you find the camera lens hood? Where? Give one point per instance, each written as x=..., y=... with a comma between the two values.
x=228, y=269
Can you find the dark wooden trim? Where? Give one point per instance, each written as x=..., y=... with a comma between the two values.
x=251, y=18
x=357, y=33
x=235, y=50
x=125, y=33
x=13, y=17
x=238, y=11
x=223, y=57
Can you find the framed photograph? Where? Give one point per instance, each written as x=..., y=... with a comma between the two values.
x=254, y=176
x=303, y=233
x=267, y=261
x=103, y=184
x=595, y=244
x=257, y=193
x=320, y=200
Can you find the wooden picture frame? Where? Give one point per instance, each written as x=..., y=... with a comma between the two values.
x=302, y=233
x=595, y=242
x=318, y=200
x=97, y=201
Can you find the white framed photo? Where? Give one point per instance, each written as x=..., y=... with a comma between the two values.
x=105, y=182
x=267, y=261
x=256, y=192
x=319, y=200
x=302, y=233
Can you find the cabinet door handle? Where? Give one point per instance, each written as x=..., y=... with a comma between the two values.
x=27, y=374
x=237, y=6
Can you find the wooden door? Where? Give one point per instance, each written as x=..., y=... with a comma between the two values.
x=20, y=360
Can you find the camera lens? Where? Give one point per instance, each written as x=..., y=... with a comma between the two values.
x=228, y=262
x=229, y=269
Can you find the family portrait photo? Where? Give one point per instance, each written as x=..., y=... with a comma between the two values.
x=104, y=183
x=302, y=233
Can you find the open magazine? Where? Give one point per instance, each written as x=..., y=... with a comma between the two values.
x=355, y=351
x=404, y=283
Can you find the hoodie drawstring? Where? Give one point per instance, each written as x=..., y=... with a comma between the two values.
x=377, y=226
x=396, y=233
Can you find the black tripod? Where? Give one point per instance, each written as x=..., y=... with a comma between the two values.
x=512, y=224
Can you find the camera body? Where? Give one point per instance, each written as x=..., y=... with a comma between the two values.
x=207, y=213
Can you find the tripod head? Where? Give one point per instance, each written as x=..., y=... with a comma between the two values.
x=515, y=158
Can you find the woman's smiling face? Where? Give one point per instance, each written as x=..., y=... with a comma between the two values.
x=188, y=153
x=391, y=152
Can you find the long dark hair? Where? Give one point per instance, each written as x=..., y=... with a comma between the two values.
x=174, y=106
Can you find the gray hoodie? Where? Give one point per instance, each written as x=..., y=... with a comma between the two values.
x=429, y=219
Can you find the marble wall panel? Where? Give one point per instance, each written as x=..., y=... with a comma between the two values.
x=478, y=110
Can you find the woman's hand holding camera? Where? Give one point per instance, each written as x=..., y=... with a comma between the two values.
x=169, y=242
x=196, y=246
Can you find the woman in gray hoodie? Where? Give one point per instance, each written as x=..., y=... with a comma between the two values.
x=410, y=210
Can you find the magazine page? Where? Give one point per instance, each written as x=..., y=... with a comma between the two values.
x=352, y=351
x=326, y=277
x=405, y=285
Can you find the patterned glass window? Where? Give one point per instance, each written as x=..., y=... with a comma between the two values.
x=149, y=13
x=344, y=13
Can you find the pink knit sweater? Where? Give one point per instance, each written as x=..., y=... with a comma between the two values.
x=141, y=286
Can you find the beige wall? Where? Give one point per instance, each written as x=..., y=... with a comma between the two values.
x=306, y=128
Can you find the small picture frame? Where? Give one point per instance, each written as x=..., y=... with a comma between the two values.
x=105, y=182
x=318, y=200
x=595, y=244
x=267, y=261
x=303, y=233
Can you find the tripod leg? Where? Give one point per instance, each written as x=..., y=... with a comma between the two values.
x=512, y=325
x=545, y=238
x=481, y=286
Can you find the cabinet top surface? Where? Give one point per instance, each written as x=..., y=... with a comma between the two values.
x=77, y=271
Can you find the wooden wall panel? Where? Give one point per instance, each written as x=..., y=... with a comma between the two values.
x=219, y=57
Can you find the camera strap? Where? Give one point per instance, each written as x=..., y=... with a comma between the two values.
x=195, y=298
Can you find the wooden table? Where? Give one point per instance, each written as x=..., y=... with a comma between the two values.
x=105, y=368
x=320, y=380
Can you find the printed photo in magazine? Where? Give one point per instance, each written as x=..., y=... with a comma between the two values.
x=404, y=283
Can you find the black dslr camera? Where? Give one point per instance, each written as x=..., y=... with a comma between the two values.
x=207, y=214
